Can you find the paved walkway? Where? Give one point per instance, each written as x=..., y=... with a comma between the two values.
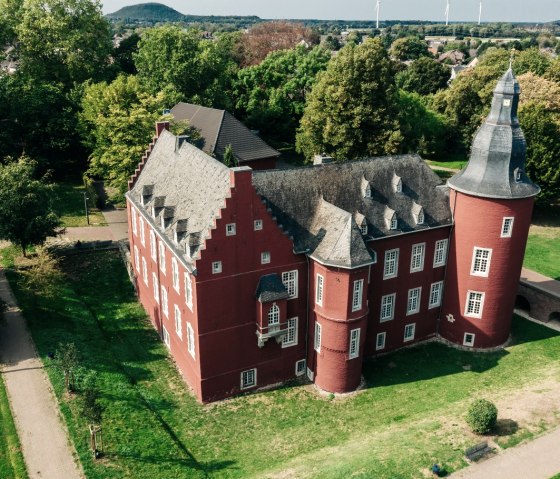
x=541, y=281
x=118, y=223
x=46, y=450
x=116, y=229
x=538, y=459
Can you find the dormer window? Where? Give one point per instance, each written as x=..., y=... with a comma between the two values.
x=367, y=192
x=507, y=102
x=517, y=172
x=364, y=228
x=153, y=212
x=397, y=184
x=394, y=222
x=163, y=222
x=420, y=217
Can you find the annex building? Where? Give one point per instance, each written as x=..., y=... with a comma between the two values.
x=253, y=277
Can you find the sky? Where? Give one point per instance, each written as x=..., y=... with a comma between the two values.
x=461, y=10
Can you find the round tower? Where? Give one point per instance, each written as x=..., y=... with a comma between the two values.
x=492, y=202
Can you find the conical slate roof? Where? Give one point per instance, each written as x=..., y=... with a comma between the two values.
x=496, y=168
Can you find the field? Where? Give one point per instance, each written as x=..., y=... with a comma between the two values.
x=543, y=246
x=69, y=205
x=409, y=415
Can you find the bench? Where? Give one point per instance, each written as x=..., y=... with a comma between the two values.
x=476, y=452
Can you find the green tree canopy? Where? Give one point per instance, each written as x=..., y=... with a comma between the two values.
x=409, y=48
x=424, y=76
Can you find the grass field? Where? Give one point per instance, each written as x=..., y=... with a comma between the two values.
x=11, y=459
x=455, y=165
x=69, y=205
x=408, y=417
x=543, y=247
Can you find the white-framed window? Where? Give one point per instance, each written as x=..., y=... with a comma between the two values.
x=258, y=225
x=145, y=271
x=265, y=257
x=162, y=257
x=357, y=293
x=216, y=267
x=409, y=331
x=420, y=217
x=440, y=253
x=190, y=339
x=300, y=367
x=153, y=247
x=142, y=232
x=249, y=378
x=387, y=307
x=435, y=294
x=133, y=219
x=166, y=338
x=481, y=261
x=230, y=229
x=178, y=324
x=136, y=258
x=319, y=290
x=475, y=304
x=156, y=287
x=507, y=227
x=290, y=280
x=391, y=268
x=188, y=290
x=175, y=274
x=164, y=302
x=413, y=305
x=468, y=340
x=364, y=228
x=317, y=338
x=273, y=317
x=398, y=186
x=291, y=338
x=380, y=341
x=373, y=256
x=394, y=222
x=310, y=373
x=354, y=346
x=417, y=258
x=367, y=191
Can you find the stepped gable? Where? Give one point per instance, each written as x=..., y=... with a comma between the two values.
x=319, y=205
x=496, y=167
x=186, y=183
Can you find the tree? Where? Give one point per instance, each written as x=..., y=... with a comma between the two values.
x=351, y=110
x=44, y=276
x=26, y=216
x=409, y=48
x=332, y=43
x=66, y=359
x=482, y=416
x=424, y=76
x=123, y=54
x=228, y=157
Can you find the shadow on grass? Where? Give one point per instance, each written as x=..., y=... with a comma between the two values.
x=505, y=427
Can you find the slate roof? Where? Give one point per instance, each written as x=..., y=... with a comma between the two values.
x=271, y=288
x=496, y=167
x=219, y=129
x=319, y=206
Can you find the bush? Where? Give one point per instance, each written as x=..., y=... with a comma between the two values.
x=482, y=416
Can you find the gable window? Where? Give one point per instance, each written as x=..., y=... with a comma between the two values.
x=144, y=271
x=481, y=261
x=354, y=347
x=409, y=331
x=440, y=253
x=507, y=227
x=290, y=280
x=273, y=318
x=468, y=339
x=300, y=367
x=188, y=290
x=230, y=229
x=153, y=247
x=216, y=267
x=175, y=274
x=435, y=294
x=178, y=326
x=413, y=300
x=291, y=339
x=475, y=304
x=162, y=257
x=249, y=378
x=357, y=294
x=420, y=217
x=136, y=258
x=190, y=339
x=156, y=287
x=387, y=307
x=317, y=339
x=166, y=338
x=265, y=257
x=133, y=219
x=417, y=258
x=380, y=341
x=258, y=225
x=142, y=232
x=164, y=303
x=391, y=268
x=319, y=290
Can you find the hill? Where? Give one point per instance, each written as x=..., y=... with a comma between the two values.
x=147, y=12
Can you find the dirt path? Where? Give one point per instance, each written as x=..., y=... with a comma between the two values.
x=44, y=440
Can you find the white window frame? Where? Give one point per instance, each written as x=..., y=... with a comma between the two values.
x=178, y=321
x=290, y=281
x=216, y=267
x=145, y=271
x=273, y=317
x=387, y=274
x=420, y=217
x=164, y=301
x=231, y=229
x=153, y=245
x=155, y=284
x=417, y=257
x=409, y=337
x=357, y=295
x=291, y=337
x=300, y=371
x=133, y=220
x=317, y=337
x=364, y=228
x=137, y=258
x=470, y=344
x=480, y=266
x=175, y=275
x=414, y=298
x=265, y=257
x=378, y=346
x=394, y=222
x=471, y=299
x=162, y=266
x=258, y=225
x=440, y=249
x=387, y=304
x=142, y=232
x=367, y=192
x=319, y=289
x=166, y=338
x=436, y=291
x=190, y=340
x=245, y=375
x=354, y=345
x=507, y=227
x=188, y=290
x=398, y=186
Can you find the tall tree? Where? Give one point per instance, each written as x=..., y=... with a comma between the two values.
x=424, y=76
x=351, y=111
x=409, y=48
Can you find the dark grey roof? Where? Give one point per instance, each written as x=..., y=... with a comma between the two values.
x=271, y=288
x=319, y=206
x=496, y=168
x=219, y=129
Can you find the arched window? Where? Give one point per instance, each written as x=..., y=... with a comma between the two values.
x=274, y=316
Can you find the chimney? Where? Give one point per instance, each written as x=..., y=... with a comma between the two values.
x=160, y=126
x=322, y=159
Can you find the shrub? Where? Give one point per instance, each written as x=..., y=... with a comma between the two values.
x=482, y=416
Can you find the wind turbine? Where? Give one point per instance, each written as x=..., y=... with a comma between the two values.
x=447, y=12
x=480, y=13
x=378, y=7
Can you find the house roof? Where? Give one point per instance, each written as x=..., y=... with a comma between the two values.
x=271, y=288
x=219, y=129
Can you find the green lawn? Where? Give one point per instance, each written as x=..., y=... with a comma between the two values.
x=408, y=417
x=69, y=205
x=11, y=459
x=456, y=165
x=543, y=247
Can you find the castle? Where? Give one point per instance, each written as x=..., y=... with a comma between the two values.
x=253, y=278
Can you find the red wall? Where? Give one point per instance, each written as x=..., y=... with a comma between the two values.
x=261, y=164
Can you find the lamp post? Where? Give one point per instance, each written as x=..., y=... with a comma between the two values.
x=85, y=204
